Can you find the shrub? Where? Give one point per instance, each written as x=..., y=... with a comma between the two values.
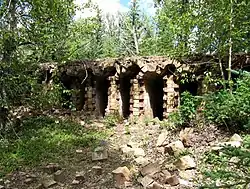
x=228, y=169
x=187, y=110
x=230, y=109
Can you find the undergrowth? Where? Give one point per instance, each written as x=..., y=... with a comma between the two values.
x=228, y=169
x=43, y=140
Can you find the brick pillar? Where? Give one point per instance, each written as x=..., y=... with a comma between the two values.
x=171, y=96
x=89, y=105
x=141, y=97
x=113, y=96
x=135, y=97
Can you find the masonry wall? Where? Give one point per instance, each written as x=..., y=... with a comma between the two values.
x=139, y=86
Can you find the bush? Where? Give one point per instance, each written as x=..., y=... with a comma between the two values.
x=228, y=169
x=187, y=110
x=230, y=109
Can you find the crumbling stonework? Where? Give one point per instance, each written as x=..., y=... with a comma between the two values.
x=138, y=86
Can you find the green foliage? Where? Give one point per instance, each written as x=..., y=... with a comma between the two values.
x=187, y=110
x=44, y=140
x=229, y=169
x=112, y=120
x=230, y=109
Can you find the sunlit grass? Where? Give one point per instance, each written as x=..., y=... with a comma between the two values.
x=44, y=140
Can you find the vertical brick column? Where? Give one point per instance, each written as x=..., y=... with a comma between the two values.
x=171, y=95
x=135, y=97
x=141, y=97
x=89, y=99
x=113, y=97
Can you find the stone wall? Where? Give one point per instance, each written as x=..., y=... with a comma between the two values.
x=135, y=86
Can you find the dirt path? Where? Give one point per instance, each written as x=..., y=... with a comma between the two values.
x=132, y=144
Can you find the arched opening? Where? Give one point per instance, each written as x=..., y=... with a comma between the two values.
x=154, y=87
x=125, y=87
x=102, y=85
x=191, y=87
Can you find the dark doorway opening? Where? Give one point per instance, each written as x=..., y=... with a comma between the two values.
x=154, y=87
x=191, y=87
x=125, y=87
x=102, y=85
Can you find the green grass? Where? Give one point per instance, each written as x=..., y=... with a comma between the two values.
x=44, y=140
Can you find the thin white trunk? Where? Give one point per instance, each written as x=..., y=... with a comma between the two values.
x=135, y=41
x=230, y=43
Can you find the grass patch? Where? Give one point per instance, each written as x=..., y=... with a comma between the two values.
x=43, y=140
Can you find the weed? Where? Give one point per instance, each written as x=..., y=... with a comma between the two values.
x=43, y=140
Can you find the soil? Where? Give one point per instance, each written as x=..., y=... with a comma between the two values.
x=142, y=134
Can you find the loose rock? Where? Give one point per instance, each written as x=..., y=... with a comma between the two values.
x=173, y=180
x=186, y=135
x=150, y=169
x=100, y=153
x=142, y=161
x=59, y=176
x=157, y=186
x=48, y=182
x=97, y=170
x=146, y=181
x=1, y=187
x=175, y=148
x=185, y=162
x=51, y=168
x=28, y=181
x=161, y=141
x=187, y=174
x=139, y=152
x=121, y=175
x=236, y=138
x=80, y=176
x=75, y=182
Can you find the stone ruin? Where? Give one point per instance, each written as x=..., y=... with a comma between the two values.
x=137, y=86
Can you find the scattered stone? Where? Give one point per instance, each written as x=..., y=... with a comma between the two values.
x=142, y=161
x=75, y=182
x=48, y=182
x=7, y=182
x=186, y=135
x=185, y=162
x=175, y=148
x=1, y=182
x=28, y=181
x=127, y=150
x=173, y=180
x=80, y=176
x=1, y=187
x=59, y=176
x=234, y=160
x=51, y=168
x=146, y=181
x=121, y=175
x=166, y=173
x=100, y=153
x=133, y=144
x=184, y=182
x=236, y=138
x=221, y=145
x=156, y=185
x=39, y=186
x=139, y=152
x=187, y=174
x=79, y=151
x=31, y=176
x=150, y=169
x=161, y=141
x=97, y=170
x=128, y=184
